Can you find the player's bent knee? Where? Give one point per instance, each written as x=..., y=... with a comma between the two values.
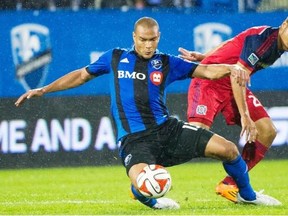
x=271, y=133
x=231, y=151
x=222, y=149
x=266, y=130
x=267, y=136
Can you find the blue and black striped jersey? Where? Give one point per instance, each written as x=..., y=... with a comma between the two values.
x=137, y=86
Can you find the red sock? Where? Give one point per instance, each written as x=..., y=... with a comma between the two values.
x=252, y=153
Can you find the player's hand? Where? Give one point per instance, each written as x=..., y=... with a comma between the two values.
x=190, y=55
x=249, y=129
x=31, y=93
x=242, y=76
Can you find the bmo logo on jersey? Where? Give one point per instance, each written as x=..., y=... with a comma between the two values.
x=209, y=35
x=131, y=75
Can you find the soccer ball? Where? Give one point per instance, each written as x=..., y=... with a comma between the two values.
x=154, y=181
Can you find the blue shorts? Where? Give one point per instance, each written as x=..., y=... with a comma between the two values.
x=171, y=143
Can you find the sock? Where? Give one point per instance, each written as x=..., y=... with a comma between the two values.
x=238, y=170
x=253, y=153
x=150, y=202
x=229, y=180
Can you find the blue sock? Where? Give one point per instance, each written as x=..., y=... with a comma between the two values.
x=150, y=202
x=238, y=170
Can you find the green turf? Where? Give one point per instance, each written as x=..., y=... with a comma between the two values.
x=105, y=191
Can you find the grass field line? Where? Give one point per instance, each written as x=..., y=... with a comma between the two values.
x=9, y=203
x=58, y=202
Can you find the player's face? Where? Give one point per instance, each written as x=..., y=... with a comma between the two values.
x=283, y=36
x=146, y=40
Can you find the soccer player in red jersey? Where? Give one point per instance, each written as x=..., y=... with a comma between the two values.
x=253, y=49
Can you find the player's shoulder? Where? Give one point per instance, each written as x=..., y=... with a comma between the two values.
x=256, y=30
x=120, y=49
x=166, y=55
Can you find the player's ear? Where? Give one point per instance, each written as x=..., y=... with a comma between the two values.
x=133, y=36
x=285, y=23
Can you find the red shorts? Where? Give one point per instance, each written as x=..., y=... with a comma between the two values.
x=208, y=98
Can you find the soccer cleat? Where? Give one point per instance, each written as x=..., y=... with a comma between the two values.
x=166, y=203
x=261, y=199
x=227, y=191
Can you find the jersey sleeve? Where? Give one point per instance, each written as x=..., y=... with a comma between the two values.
x=180, y=69
x=102, y=65
x=252, y=43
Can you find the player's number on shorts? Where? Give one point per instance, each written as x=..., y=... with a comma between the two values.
x=256, y=102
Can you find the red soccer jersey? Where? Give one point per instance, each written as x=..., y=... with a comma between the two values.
x=255, y=48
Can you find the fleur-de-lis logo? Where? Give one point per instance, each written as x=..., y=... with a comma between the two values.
x=31, y=54
x=209, y=35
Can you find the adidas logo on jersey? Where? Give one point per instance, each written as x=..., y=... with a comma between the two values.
x=125, y=60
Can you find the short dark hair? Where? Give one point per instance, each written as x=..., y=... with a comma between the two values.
x=147, y=22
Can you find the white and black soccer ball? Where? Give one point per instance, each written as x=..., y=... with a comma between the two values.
x=154, y=181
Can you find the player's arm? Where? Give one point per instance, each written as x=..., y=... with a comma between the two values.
x=197, y=56
x=217, y=71
x=239, y=93
x=70, y=80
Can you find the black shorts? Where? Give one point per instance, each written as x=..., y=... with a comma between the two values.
x=172, y=143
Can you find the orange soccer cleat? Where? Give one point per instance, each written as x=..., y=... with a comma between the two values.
x=228, y=191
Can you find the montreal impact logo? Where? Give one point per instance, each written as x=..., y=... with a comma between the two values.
x=31, y=52
x=209, y=35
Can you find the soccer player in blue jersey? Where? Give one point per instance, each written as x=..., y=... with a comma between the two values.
x=253, y=50
x=145, y=131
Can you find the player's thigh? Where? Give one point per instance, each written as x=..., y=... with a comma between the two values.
x=220, y=148
x=191, y=142
x=231, y=113
x=266, y=131
x=265, y=125
x=256, y=109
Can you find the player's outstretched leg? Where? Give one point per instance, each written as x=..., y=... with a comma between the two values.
x=160, y=203
x=239, y=171
x=252, y=153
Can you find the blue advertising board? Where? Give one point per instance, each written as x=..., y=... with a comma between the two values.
x=37, y=47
